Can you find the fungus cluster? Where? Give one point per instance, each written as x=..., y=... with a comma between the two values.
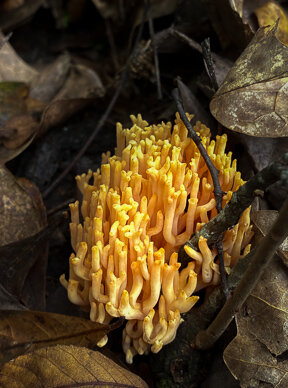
x=138, y=210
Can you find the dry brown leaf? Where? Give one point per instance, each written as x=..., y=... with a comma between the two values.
x=253, y=98
x=67, y=366
x=268, y=14
x=22, y=216
x=255, y=355
x=25, y=331
x=51, y=79
x=12, y=67
x=22, y=212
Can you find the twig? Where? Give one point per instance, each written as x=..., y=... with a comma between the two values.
x=105, y=114
x=192, y=43
x=217, y=188
x=208, y=61
x=112, y=44
x=240, y=200
x=60, y=206
x=263, y=255
x=155, y=52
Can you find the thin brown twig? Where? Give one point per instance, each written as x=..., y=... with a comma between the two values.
x=111, y=41
x=208, y=61
x=155, y=52
x=263, y=255
x=105, y=115
x=217, y=188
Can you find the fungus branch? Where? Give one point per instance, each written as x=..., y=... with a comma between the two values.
x=263, y=255
x=217, y=188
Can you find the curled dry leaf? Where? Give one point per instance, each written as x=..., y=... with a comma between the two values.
x=255, y=355
x=253, y=98
x=26, y=331
x=268, y=14
x=67, y=366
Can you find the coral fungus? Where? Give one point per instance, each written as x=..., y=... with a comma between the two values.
x=144, y=203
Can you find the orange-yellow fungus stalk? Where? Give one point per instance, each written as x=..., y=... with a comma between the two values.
x=137, y=210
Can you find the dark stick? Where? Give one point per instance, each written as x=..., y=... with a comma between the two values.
x=105, y=115
x=208, y=61
x=263, y=255
x=155, y=52
x=217, y=188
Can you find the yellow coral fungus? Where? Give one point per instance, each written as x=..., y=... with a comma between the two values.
x=143, y=204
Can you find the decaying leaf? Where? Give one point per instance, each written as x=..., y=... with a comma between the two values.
x=226, y=18
x=268, y=14
x=25, y=331
x=255, y=355
x=12, y=67
x=263, y=220
x=22, y=215
x=253, y=97
x=23, y=269
x=67, y=366
x=22, y=212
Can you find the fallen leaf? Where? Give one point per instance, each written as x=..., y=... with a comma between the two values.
x=253, y=98
x=60, y=110
x=82, y=82
x=51, y=79
x=226, y=19
x=13, y=16
x=268, y=14
x=9, y=301
x=67, y=366
x=263, y=221
x=255, y=355
x=12, y=67
x=21, y=215
x=26, y=331
x=264, y=150
x=23, y=267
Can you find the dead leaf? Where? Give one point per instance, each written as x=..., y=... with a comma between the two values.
x=268, y=14
x=82, y=82
x=60, y=110
x=23, y=267
x=254, y=356
x=253, y=98
x=12, y=67
x=20, y=215
x=226, y=19
x=26, y=331
x=263, y=221
x=264, y=150
x=17, y=126
x=68, y=366
x=18, y=12
x=9, y=301
x=51, y=79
